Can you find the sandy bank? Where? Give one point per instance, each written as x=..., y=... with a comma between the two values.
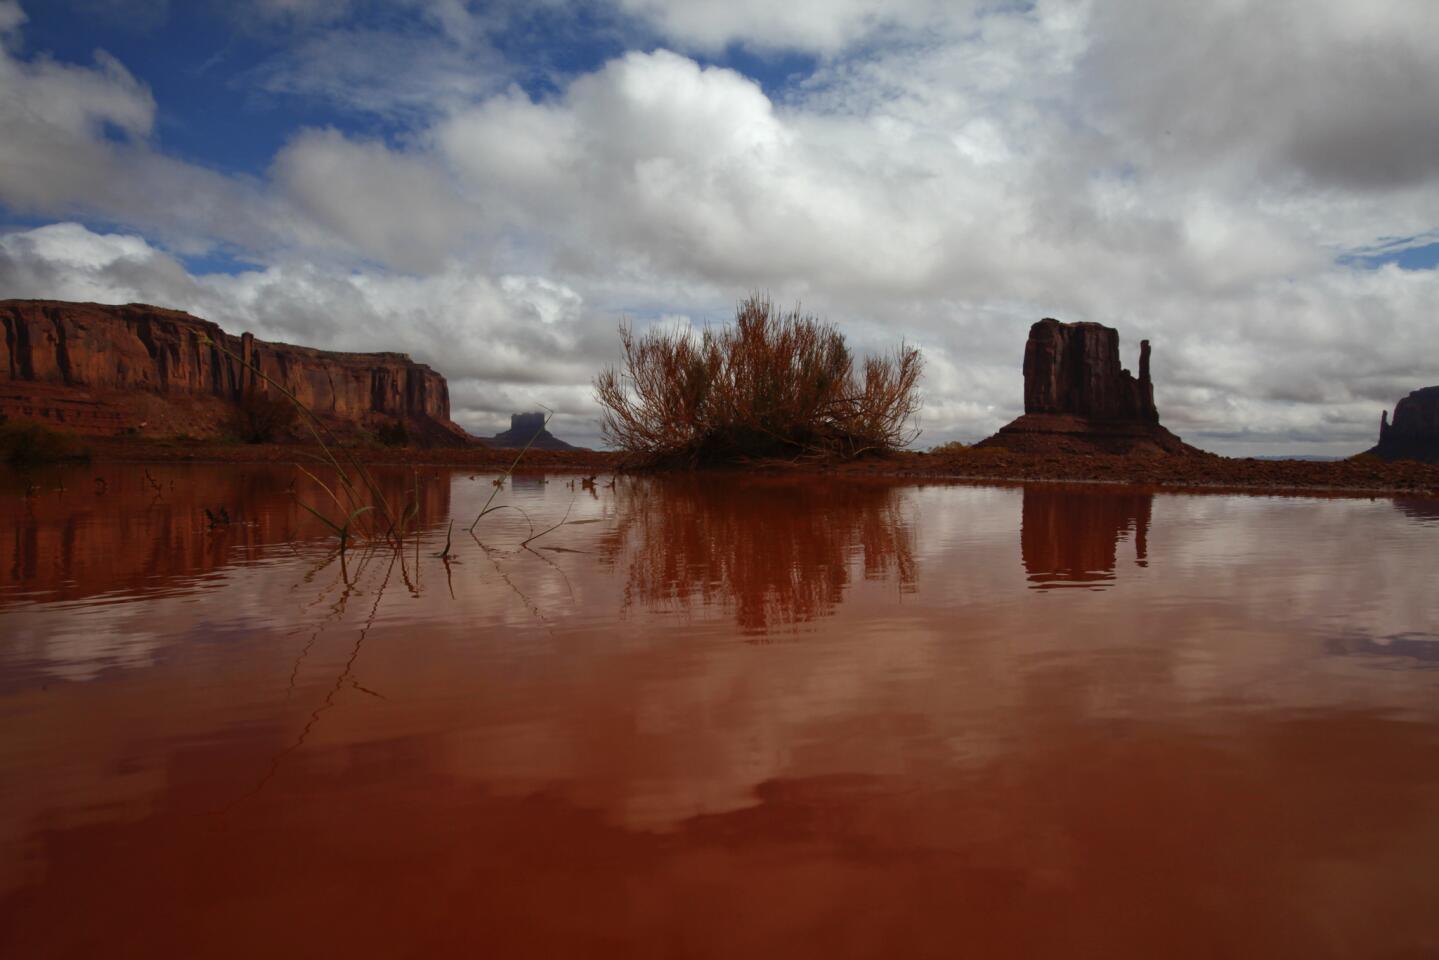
x=1360, y=475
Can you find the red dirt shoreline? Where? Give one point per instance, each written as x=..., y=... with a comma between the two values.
x=130, y=450
x=1209, y=473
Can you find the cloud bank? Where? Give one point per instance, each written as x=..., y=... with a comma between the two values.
x=1195, y=175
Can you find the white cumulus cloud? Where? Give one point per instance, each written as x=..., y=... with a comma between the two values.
x=1192, y=174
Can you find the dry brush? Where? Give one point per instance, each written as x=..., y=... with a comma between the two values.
x=774, y=385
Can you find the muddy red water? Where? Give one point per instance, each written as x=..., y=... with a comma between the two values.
x=715, y=717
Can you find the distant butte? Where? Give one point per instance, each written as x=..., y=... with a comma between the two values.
x=529, y=428
x=1078, y=400
x=1414, y=434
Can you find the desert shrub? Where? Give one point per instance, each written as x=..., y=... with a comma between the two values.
x=772, y=385
x=24, y=443
x=262, y=418
x=953, y=448
x=393, y=434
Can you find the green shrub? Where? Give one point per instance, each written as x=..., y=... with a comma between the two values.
x=24, y=443
x=261, y=418
x=773, y=385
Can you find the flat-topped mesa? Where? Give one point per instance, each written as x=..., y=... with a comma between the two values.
x=1414, y=433
x=1078, y=399
x=528, y=429
x=136, y=368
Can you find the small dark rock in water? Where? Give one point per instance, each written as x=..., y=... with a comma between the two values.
x=1078, y=399
x=1414, y=434
x=523, y=427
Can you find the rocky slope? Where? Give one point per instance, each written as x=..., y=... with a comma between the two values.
x=1414, y=434
x=131, y=369
x=1078, y=399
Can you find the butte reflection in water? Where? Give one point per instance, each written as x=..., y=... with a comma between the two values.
x=953, y=761
x=1069, y=537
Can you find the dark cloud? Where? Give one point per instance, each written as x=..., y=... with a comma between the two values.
x=1343, y=95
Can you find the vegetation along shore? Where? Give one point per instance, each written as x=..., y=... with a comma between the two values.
x=775, y=391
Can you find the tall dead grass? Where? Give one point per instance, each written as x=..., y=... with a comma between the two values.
x=772, y=385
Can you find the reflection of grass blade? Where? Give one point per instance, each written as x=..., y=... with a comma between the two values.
x=536, y=536
x=511, y=469
x=315, y=425
x=345, y=675
x=321, y=517
x=323, y=486
x=342, y=532
x=345, y=536
x=507, y=506
x=357, y=512
x=411, y=512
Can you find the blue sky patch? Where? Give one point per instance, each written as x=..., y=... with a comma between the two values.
x=1408, y=253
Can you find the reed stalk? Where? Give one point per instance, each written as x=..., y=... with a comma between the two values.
x=500, y=482
x=355, y=505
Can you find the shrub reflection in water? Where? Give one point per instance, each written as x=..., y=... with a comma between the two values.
x=781, y=552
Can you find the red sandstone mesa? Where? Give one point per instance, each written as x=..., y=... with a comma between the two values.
x=106, y=370
x=1078, y=399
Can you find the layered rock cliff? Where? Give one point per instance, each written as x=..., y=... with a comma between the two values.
x=1078, y=399
x=1414, y=434
x=1073, y=368
x=136, y=368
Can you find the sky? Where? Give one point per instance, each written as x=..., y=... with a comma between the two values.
x=1252, y=185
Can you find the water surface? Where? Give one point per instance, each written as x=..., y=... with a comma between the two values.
x=715, y=716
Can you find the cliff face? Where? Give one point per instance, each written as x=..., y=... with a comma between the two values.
x=1078, y=399
x=1073, y=368
x=1414, y=434
x=100, y=368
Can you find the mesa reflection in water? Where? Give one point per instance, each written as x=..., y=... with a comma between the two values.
x=127, y=530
